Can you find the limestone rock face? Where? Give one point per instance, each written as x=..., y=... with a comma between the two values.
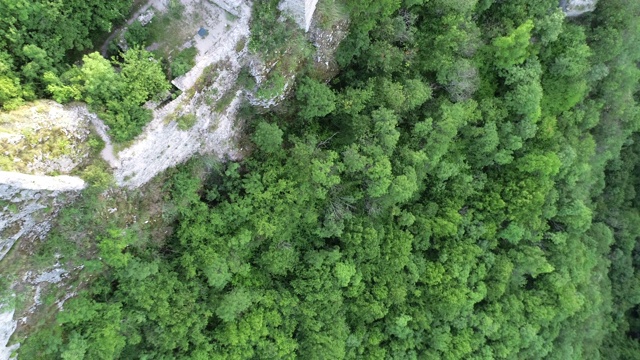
x=43, y=137
x=7, y=326
x=28, y=203
x=163, y=144
x=36, y=140
x=301, y=11
x=577, y=7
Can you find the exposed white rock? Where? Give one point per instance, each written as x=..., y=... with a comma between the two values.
x=162, y=144
x=301, y=11
x=146, y=17
x=577, y=7
x=232, y=6
x=52, y=276
x=29, y=202
x=12, y=182
x=7, y=327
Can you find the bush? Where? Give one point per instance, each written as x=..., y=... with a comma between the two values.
x=268, y=137
x=176, y=9
x=316, y=99
x=272, y=87
x=137, y=34
x=97, y=177
x=183, y=62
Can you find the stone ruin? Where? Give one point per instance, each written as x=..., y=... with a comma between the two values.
x=300, y=10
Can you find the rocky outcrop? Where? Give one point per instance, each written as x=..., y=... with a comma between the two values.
x=37, y=139
x=28, y=203
x=7, y=327
x=44, y=137
x=574, y=8
x=210, y=94
x=326, y=42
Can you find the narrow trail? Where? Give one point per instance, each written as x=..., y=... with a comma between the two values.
x=101, y=129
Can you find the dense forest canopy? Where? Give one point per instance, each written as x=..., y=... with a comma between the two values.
x=463, y=189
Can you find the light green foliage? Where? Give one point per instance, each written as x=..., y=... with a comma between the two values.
x=416, y=93
x=116, y=96
x=142, y=76
x=316, y=99
x=37, y=36
x=233, y=304
x=97, y=176
x=550, y=26
x=101, y=82
x=268, y=137
x=512, y=49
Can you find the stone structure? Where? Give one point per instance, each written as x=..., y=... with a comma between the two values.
x=300, y=10
x=232, y=6
x=577, y=7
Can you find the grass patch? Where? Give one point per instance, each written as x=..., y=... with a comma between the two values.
x=240, y=44
x=186, y=122
x=183, y=62
x=166, y=30
x=230, y=16
x=272, y=87
x=225, y=100
x=176, y=9
x=26, y=145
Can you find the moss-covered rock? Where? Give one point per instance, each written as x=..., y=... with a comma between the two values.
x=43, y=137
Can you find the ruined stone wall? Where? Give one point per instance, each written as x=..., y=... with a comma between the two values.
x=232, y=6
x=577, y=7
x=301, y=11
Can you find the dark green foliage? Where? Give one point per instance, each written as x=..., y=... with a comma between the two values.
x=467, y=189
x=137, y=34
x=316, y=99
x=183, y=62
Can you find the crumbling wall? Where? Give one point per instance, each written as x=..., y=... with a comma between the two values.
x=577, y=7
x=232, y=6
x=301, y=11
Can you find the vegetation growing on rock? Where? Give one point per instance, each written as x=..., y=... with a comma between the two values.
x=43, y=138
x=463, y=189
